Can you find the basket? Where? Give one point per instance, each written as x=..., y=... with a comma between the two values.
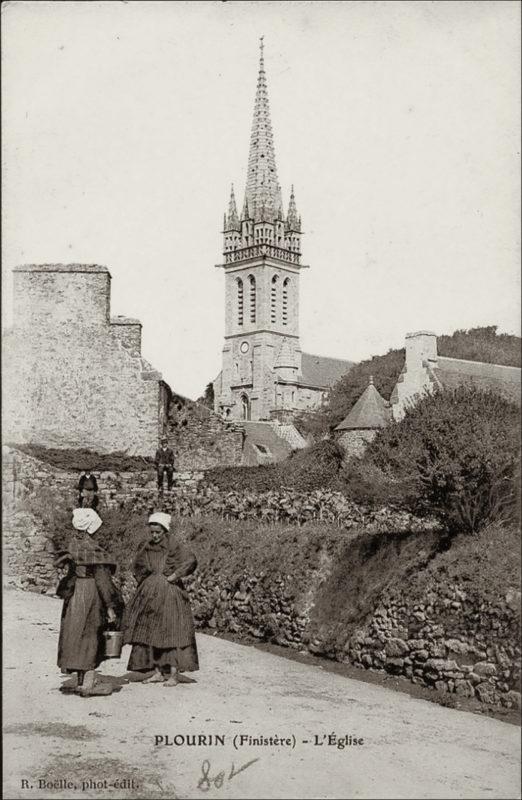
x=113, y=643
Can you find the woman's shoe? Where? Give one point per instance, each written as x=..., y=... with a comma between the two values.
x=172, y=680
x=99, y=690
x=157, y=677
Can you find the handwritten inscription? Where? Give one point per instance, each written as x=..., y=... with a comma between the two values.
x=206, y=780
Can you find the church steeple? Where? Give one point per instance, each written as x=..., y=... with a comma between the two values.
x=262, y=229
x=262, y=262
x=262, y=185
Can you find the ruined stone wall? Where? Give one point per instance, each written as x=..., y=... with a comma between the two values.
x=71, y=378
x=200, y=438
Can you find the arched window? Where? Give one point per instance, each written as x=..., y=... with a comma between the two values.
x=273, y=300
x=252, y=281
x=245, y=407
x=239, y=301
x=286, y=288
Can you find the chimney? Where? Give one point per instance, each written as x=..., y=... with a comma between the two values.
x=420, y=346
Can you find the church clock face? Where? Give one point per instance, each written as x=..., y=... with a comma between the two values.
x=244, y=347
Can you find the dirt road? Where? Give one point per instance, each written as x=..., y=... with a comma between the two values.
x=63, y=746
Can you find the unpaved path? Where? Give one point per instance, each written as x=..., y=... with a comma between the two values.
x=91, y=748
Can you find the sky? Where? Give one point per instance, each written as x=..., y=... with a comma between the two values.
x=124, y=124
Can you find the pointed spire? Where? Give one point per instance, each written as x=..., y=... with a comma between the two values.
x=292, y=219
x=245, y=214
x=279, y=204
x=261, y=187
x=232, y=221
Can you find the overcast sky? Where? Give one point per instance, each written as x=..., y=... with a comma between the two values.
x=124, y=124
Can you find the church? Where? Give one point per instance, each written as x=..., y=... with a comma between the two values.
x=265, y=375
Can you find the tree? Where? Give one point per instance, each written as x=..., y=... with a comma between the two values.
x=208, y=397
x=455, y=455
x=475, y=344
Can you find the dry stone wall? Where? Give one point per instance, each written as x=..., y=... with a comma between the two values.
x=446, y=637
x=453, y=643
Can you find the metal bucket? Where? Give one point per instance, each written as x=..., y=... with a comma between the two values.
x=113, y=643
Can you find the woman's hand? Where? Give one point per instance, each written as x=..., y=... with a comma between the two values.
x=111, y=615
x=172, y=578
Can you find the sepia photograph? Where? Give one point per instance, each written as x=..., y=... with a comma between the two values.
x=261, y=390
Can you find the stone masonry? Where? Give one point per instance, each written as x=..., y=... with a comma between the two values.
x=74, y=376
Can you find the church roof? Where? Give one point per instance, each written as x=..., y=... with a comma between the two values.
x=322, y=371
x=370, y=411
x=453, y=372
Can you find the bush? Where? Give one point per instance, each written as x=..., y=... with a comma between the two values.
x=368, y=485
x=311, y=468
x=385, y=371
x=454, y=456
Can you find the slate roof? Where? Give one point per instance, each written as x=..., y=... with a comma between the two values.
x=322, y=371
x=370, y=411
x=453, y=372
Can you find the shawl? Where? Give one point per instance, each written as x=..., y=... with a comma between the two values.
x=84, y=552
x=178, y=558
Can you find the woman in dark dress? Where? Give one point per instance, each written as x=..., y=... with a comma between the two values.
x=90, y=601
x=158, y=620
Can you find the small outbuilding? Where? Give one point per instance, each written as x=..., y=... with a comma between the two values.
x=370, y=413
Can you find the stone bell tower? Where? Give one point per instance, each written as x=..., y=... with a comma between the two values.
x=262, y=255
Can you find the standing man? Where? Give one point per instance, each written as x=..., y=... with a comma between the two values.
x=164, y=463
x=87, y=490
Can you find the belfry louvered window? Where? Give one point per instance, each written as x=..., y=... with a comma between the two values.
x=273, y=300
x=286, y=287
x=252, y=298
x=239, y=301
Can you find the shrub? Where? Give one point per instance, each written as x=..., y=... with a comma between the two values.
x=368, y=485
x=454, y=456
x=385, y=371
x=311, y=468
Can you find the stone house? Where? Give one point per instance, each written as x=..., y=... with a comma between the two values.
x=424, y=370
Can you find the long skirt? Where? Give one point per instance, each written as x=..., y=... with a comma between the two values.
x=144, y=658
x=158, y=623
x=80, y=644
